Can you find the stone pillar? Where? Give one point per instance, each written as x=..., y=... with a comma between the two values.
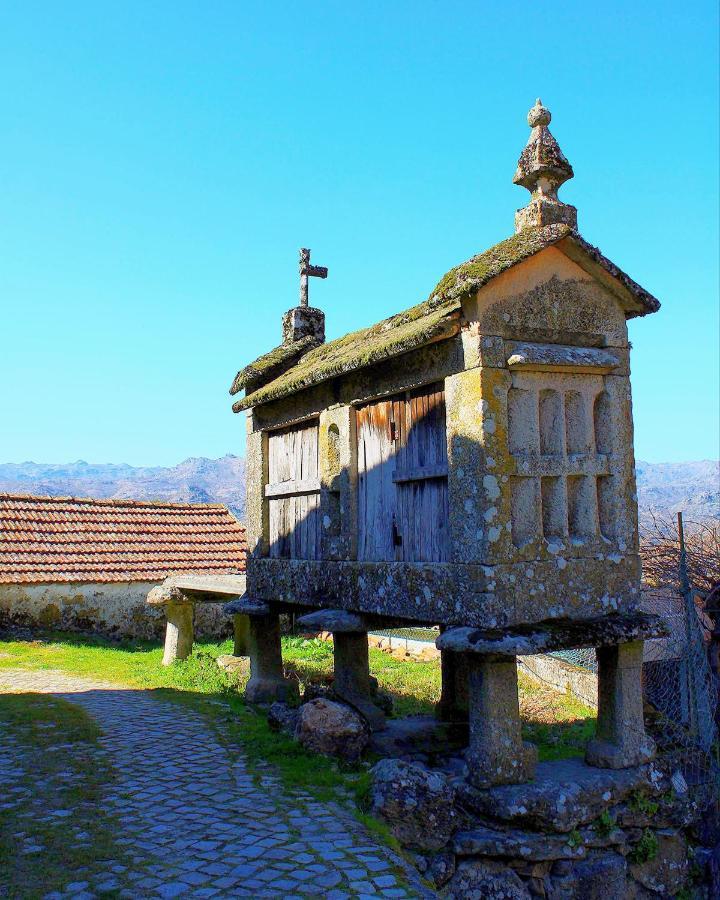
x=497, y=754
x=179, y=631
x=267, y=683
x=453, y=705
x=352, y=681
x=620, y=740
x=241, y=632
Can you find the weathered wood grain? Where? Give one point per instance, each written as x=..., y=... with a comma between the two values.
x=402, y=478
x=294, y=493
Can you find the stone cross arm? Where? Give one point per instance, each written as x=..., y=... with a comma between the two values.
x=308, y=270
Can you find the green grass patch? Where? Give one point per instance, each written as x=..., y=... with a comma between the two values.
x=57, y=829
x=559, y=725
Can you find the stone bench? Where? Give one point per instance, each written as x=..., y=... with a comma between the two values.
x=496, y=752
x=178, y=595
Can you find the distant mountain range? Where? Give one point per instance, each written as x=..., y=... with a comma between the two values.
x=692, y=488
x=665, y=488
x=196, y=480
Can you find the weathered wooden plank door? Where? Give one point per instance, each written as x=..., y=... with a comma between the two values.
x=293, y=493
x=421, y=477
x=402, y=478
x=376, y=495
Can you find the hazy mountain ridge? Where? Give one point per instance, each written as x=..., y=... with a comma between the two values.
x=692, y=488
x=665, y=488
x=195, y=480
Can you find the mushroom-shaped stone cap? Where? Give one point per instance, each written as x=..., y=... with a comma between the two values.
x=539, y=115
x=163, y=594
x=335, y=620
x=247, y=606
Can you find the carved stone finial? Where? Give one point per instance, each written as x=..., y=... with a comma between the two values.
x=542, y=169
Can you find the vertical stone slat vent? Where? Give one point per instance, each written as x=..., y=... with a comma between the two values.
x=559, y=434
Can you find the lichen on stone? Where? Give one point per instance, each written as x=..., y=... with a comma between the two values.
x=467, y=278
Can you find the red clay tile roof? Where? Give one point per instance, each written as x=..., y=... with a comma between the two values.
x=79, y=539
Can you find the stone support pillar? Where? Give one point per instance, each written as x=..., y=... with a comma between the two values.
x=497, y=754
x=352, y=681
x=453, y=705
x=267, y=683
x=241, y=634
x=179, y=632
x=620, y=740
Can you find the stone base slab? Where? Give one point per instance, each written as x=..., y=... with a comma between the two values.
x=565, y=794
x=605, y=755
x=472, y=595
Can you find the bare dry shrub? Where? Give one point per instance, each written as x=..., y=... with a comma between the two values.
x=660, y=552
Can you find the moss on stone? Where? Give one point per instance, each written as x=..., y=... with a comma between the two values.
x=469, y=276
x=265, y=365
x=422, y=324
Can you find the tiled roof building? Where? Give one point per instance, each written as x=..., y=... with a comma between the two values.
x=80, y=562
x=62, y=539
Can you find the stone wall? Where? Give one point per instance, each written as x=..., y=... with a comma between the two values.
x=114, y=609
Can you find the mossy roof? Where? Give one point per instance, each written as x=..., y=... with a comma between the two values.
x=470, y=276
x=422, y=324
x=438, y=316
x=264, y=366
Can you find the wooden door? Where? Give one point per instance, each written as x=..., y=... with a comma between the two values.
x=402, y=478
x=376, y=494
x=421, y=477
x=293, y=493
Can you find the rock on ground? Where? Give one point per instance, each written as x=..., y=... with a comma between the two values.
x=282, y=717
x=326, y=726
x=417, y=804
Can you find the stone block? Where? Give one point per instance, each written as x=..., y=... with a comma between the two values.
x=667, y=871
x=564, y=795
x=486, y=879
x=325, y=726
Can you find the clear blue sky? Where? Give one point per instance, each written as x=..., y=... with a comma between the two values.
x=161, y=163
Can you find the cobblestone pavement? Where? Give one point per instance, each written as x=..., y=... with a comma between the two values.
x=194, y=820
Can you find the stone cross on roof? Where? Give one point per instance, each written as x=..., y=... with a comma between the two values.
x=542, y=169
x=307, y=270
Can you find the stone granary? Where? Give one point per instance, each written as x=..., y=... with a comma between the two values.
x=469, y=463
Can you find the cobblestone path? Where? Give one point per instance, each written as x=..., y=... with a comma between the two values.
x=194, y=821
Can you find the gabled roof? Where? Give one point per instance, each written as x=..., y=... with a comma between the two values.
x=470, y=276
x=70, y=539
x=439, y=316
